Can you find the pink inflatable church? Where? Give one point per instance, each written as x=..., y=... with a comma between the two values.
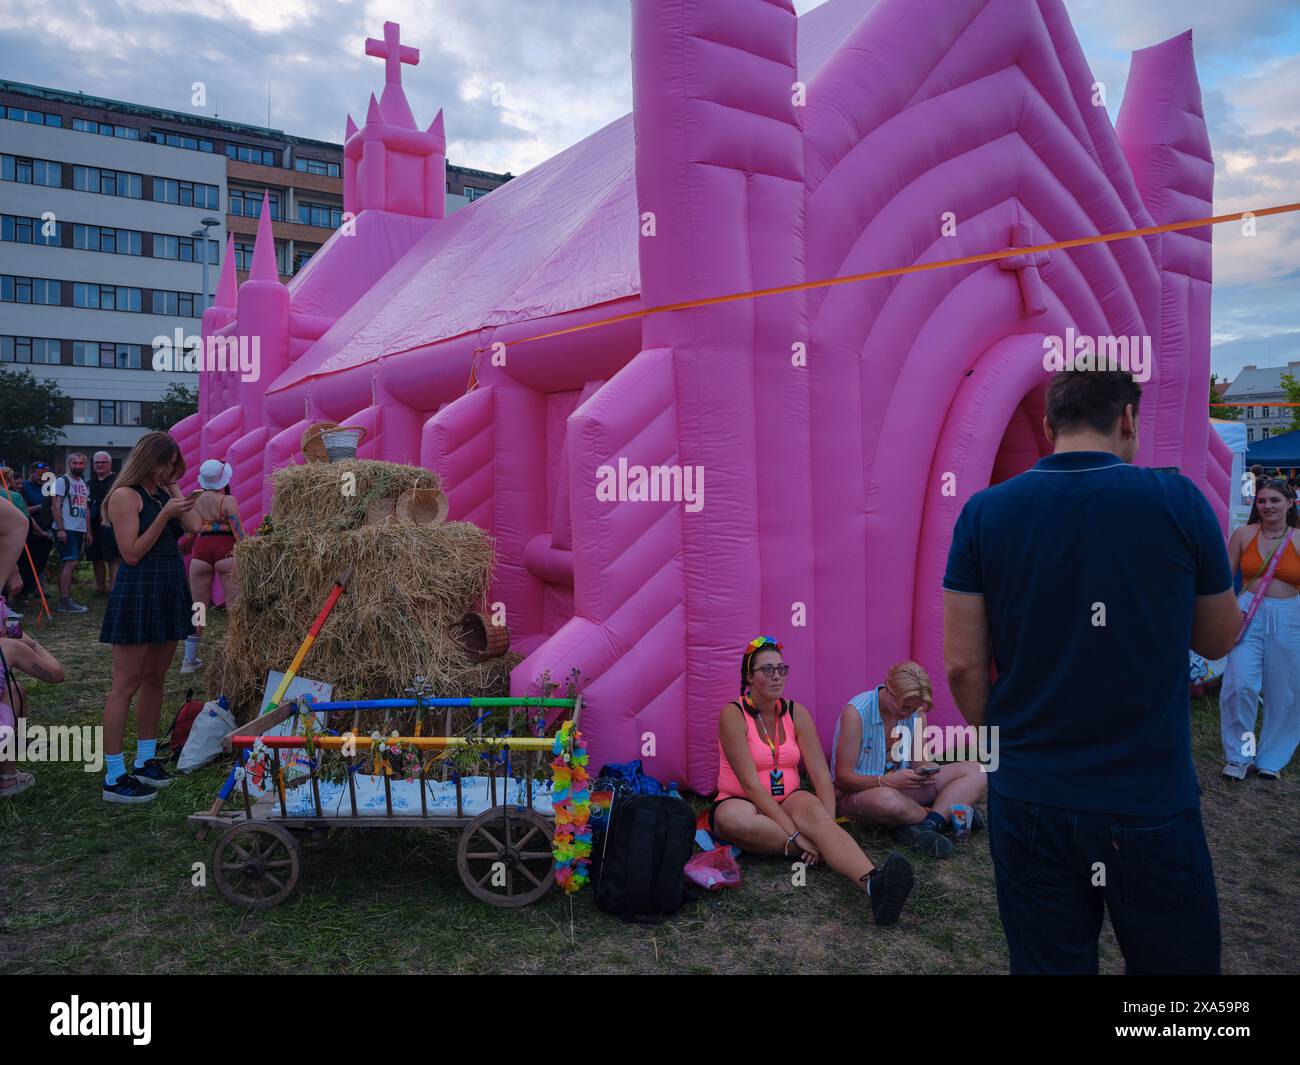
x=817, y=446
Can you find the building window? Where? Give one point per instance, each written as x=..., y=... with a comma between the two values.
x=107, y=182
x=316, y=166
x=39, y=118
x=1264, y=412
x=185, y=193
x=29, y=290
x=29, y=349
x=31, y=171
x=85, y=411
x=106, y=297
x=473, y=194
x=319, y=214
x=106, y=239
x=1265, y=433
x=22, y=230
x=107, y=354
x=174, y=304
x=179, y=140
x=248, y=203
x=246, y=153
x=105, y=129
x=243, y=256
x=301, y=257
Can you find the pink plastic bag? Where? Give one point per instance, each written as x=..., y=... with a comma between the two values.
x=714, y=869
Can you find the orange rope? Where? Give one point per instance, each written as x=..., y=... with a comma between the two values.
x=917, y=268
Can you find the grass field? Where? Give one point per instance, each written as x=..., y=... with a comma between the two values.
x=89, y=887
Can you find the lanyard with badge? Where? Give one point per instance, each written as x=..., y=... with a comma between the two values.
x=776, y=777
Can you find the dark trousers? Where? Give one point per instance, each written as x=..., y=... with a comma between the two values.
x=40, y=549
x=1058, y=869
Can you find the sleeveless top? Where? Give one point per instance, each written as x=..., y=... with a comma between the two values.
x=875, y=750
x=150, y=508
x=1288, y=566
x=787, y=761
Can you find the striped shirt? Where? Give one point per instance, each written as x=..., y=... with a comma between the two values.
x=874, y=754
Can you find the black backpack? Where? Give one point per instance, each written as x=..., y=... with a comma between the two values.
x=641, y=858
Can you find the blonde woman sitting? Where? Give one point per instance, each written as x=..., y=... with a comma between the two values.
x=876, y=782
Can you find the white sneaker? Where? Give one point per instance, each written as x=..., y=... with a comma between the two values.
x=1270, y=774
x=1234, y=771
x=191, y=665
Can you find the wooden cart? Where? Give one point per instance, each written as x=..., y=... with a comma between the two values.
x=504, y=852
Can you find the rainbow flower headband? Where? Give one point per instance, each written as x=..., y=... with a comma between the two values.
x=763, y=641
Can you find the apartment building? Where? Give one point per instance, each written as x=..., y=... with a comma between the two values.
x=108, y=211
x=1264, y=386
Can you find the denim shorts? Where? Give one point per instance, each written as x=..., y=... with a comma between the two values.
x=71, y=550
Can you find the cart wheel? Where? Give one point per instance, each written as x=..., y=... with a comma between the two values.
x=256, y=864
x=504, y=856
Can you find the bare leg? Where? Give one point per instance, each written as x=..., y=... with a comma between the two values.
x=101, y=572
x=148, y=710
x=229, y=573
x=128, y=669
x=112, y=572
x=882, y=808
x=837, y=847
x=65, y=579
x=200, y=586
x=738, y=821
x=959, y=782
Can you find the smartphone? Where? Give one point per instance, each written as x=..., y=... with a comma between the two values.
x=929, y=771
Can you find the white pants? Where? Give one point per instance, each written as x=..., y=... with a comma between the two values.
x=1267, y=662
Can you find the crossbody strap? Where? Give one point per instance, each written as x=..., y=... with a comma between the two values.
x=1270, y=564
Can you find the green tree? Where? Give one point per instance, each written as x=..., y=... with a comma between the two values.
x=177, y=404
x=1231, y=414
x=32, y=415
x=1292, y=389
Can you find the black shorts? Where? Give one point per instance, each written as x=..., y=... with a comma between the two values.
x=104, y=546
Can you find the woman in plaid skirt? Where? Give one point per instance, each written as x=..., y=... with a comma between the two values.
x=149, y=609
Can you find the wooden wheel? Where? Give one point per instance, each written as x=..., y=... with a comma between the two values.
x=256, y=864
x=504, y=856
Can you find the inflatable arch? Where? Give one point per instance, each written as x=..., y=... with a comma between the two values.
x=838, y=430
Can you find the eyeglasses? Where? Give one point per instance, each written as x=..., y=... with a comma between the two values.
x=773, y=671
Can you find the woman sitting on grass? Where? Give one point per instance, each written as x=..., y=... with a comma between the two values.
x=879, y=786
x=760, y=807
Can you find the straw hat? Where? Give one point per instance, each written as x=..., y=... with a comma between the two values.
x=422, y=506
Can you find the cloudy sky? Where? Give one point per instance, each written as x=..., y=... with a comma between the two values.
x=521, y=79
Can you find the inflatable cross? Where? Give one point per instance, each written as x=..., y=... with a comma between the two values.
x=1026, y=267
x=392, y=52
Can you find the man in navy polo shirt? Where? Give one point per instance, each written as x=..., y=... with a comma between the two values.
x=1085, y=580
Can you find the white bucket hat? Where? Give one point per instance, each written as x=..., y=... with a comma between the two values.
x=215, y=475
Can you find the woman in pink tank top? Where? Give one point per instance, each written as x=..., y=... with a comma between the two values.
x=763, y=738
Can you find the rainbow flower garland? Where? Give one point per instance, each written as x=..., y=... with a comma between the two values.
x=572, y=801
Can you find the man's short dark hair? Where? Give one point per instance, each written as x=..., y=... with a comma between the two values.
x=1090, y=399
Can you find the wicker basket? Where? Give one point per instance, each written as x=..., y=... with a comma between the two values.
x=422, y=506
x=315, y=448
x=483, y=640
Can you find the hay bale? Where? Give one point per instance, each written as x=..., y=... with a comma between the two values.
x=411, y=585
x=311, y=497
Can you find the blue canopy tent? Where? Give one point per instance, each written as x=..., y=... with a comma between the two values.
x=1280, y=451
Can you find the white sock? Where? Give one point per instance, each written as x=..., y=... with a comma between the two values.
x=191, y=648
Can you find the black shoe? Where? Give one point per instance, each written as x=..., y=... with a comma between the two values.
x=891, y=883
x=129, y=790
x=153, y=774
x=925, y=839
x=976, y=822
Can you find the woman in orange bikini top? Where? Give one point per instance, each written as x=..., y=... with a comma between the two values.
x=1272, y=518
